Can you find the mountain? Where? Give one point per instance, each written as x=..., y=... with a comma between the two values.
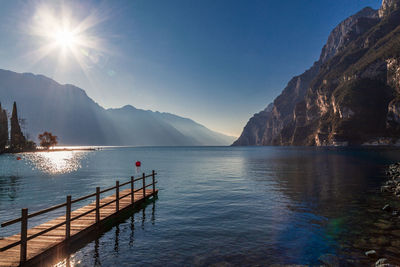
x=350, y=96
x=67, y=111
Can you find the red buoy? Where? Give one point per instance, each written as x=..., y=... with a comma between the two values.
x=138, y=163
x=18, y=158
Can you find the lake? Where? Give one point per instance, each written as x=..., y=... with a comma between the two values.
x=222, y=206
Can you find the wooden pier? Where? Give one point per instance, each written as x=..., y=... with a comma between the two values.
x=53, y=238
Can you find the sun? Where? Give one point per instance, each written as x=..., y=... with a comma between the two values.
x=60, y=34
x=65, y=38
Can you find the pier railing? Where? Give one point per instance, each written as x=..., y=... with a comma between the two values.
x=68, y=219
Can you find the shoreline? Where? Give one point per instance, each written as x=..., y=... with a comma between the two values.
x=64, y=149
x=391, y=189
x=50, y=150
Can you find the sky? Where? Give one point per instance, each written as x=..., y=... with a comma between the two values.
x=215, y=61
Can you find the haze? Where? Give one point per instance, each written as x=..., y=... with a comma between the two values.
x=216, y=62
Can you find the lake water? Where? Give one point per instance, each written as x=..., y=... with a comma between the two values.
x=227, y=206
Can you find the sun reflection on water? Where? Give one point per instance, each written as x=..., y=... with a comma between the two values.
x=68, y=262
x=57, y=162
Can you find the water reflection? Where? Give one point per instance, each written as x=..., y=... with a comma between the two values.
x=9, y=186
x=239, y=206
x=96, y=255
x=143, y=217
x=132, y=235
x=57, y=162
x=153, y=211
x=68, y=262
x=116, y=242
x=334, y=199
x=101, y=244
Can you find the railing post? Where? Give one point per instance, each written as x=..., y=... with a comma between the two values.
x=97, y=204
x=154, y=181
x=132, y=190
x=144, y=186
x=24, y=234
x=117, y=196
x=68, y=218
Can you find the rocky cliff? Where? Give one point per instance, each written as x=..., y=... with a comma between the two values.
x=351, y=95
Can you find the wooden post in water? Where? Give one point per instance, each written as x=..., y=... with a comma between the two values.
x=97, y=204
x=144, y=186
x=68, y=218
x=154, y=181
x=132, y=190
x=24, y=234
x=117, y=196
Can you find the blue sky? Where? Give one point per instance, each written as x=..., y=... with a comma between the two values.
x=215, y=61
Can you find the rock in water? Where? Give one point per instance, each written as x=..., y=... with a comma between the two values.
x=380, y=262
x=387, y=208
x=370, y=253
x=329, y=260
x=385, y=188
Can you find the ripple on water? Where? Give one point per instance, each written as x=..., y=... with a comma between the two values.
x=57, y=162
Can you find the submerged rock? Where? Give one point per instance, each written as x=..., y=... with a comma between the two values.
x=397, y=190
x=396, y=233
x=329, y=260
x=381, y=261
x=393, y=250
x=361, y=244
x=378, y=231
x=381, y=240
x=383, y=226
x=290, y=265
x=370, y=253
x=386, y=188
x=221, y=264
x=387, y=207
x=396, y=243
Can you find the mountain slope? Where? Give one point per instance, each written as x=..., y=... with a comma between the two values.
x=188, y=127
x=348, y=96
x=151, y=130
x=69, y=113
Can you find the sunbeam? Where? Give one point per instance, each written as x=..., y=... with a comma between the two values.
x=61, y=35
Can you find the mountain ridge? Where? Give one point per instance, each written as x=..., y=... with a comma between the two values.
x=67, y=111
x=307, y=111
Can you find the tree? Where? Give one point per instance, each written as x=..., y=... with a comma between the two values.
x=17, y=140
x=3, y=129
x=47, y=140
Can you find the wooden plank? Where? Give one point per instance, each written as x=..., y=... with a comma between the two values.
x=55, y=237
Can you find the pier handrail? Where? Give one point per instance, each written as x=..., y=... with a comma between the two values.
x=68, y=219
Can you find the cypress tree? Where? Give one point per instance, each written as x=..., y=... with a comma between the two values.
x=3, y=129
x=17, y=141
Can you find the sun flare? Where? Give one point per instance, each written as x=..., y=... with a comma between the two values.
x=65, y=38
x=60, y=34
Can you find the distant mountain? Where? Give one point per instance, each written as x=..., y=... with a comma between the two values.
x=351, y=95
x=69, y=113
